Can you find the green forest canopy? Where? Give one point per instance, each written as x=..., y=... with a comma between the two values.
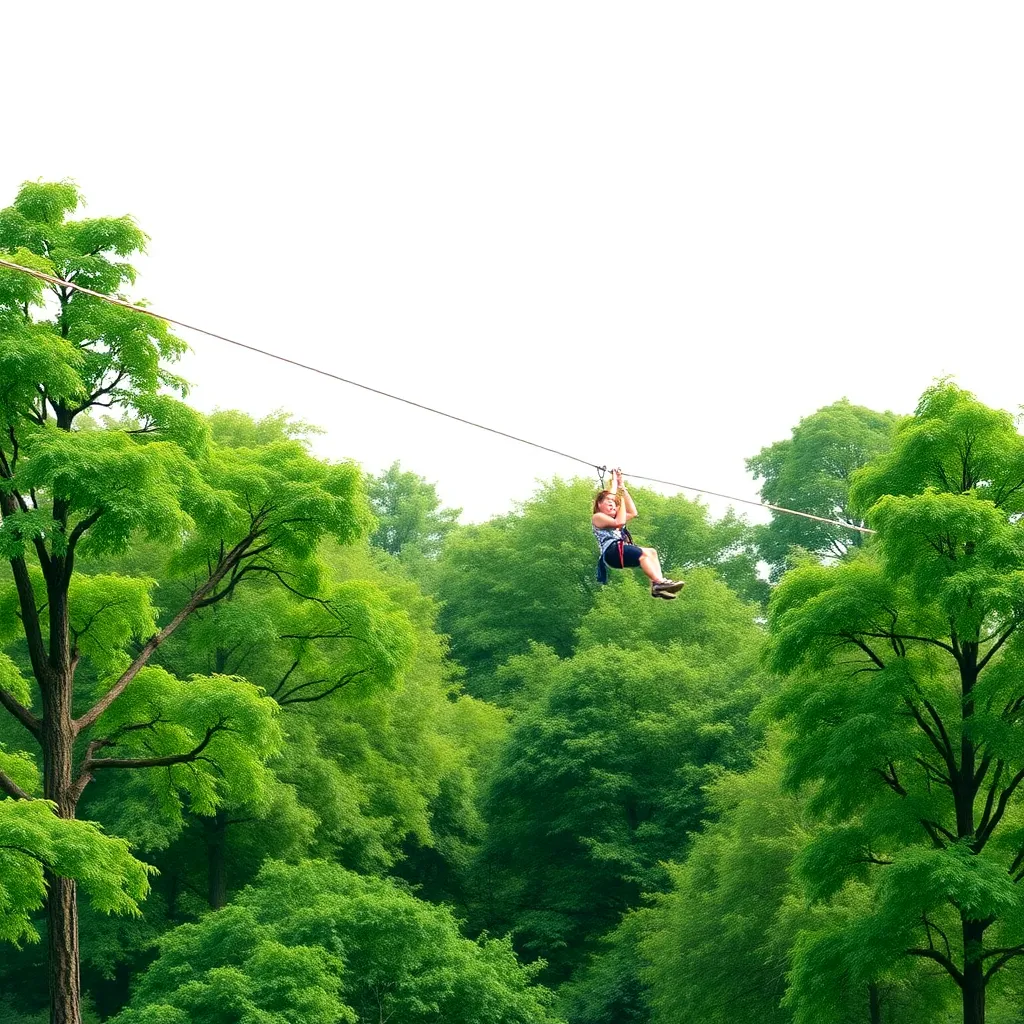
x=282, y=741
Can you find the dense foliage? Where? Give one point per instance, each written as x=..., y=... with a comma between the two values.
x=284, y=742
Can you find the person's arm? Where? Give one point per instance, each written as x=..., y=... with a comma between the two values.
x=627, y=506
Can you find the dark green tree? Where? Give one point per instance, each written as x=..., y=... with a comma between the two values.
x=603, y=773
x=811, y=472
x=716, y=945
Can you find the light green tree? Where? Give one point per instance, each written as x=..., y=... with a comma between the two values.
x=314, y=942
x=78, y=677
x=904, y=701
x=409, y=513
x=529, y=577
x=811, y=472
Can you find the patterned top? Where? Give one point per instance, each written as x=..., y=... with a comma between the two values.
x=606, y=535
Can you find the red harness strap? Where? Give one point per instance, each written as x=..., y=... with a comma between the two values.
x=624, y=539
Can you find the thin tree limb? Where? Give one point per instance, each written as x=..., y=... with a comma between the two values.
x=11, y=788
x=941, y=959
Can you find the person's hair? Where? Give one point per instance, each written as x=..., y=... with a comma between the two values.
x=601, y=495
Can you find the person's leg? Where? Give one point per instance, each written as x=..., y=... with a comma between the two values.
x=660, y=586
x=651, y=565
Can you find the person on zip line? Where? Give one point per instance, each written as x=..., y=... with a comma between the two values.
x=618, y=551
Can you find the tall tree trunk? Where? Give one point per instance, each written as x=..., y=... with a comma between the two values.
x=58, y=739
x=974, y=974
x=874, y=1004
x=216, y=859
x=62, y=934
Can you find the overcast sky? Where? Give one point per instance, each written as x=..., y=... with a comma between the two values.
x=653, y=234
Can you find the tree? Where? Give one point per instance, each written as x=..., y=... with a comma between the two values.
x=232, y=515
x=811, y=472
x=408, y=512
x=607, y=989
x=905, y=700
x=314, y=942
x=714, y=947
x=719, y=944
x=529, y=577
x=603, y=773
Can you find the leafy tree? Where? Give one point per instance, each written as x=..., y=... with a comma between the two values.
x=713, y=944
x=811, y=472
x=603, y=774
x=608, y=989
x=530, y=577
x=231, y=515
x=314, y=942
x=686, y=538
x=409, y=513
x=905, y=699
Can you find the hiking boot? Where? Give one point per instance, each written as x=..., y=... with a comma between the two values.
x=667, y=587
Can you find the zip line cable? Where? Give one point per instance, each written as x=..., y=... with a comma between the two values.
x=407, y=401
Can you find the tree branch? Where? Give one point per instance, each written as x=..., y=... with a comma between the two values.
x=231, y=559
x=990, y=799
x=289, y=698
x=11, y=788
x=906, y=636
x=942, y=959
x=21, y=713
x=1007, y=955
x=891, y=780
x=74, y=538
x=999, y=643
x=930, y=828
x=944, y=750
x=96, y=763
x=1004, y=798
x=864, y=647
x=933, y=773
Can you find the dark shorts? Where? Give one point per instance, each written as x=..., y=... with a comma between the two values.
x=630, y=554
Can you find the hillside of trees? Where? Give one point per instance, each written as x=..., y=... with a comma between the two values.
x=284, y=742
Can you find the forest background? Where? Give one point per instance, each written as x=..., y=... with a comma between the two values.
x=283, y=742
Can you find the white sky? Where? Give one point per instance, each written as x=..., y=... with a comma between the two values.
x=654, y=234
